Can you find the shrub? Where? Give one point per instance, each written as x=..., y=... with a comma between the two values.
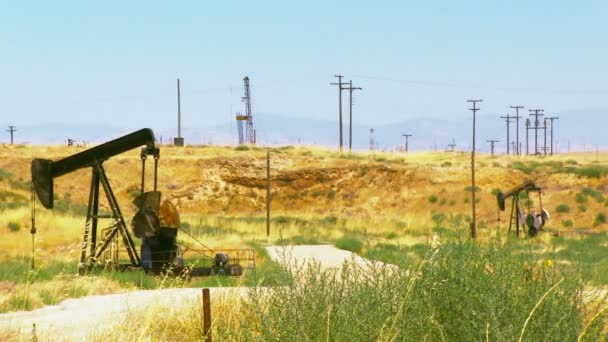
x=380, y=159
x=350, y=243
x=589, y=192
x=433, y=198
x=470, y=188
x=527, y=169
x=242, y=148
x=582, y=208
x=491, y=287
x=446, y=164
x=331, y=194
x=592, y=171
x=14, y=226
x=568, y=223
x=562, y=208
x=600, y=219
x=581, y=198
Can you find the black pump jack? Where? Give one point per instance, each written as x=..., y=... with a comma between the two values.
x=44, y=171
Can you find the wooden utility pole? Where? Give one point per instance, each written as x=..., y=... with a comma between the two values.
x=350, y=89
x=11, y=130
x=492, y=142
x=508, y=120
x=268, y=194
x=407, y=141
x=536, y=113
x=473, y=187
x=551, y=119
x=545, y=148
x=179, y=141
x=340, y=88
x=517, y=117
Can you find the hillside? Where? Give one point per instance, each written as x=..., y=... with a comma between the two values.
x=231, y=181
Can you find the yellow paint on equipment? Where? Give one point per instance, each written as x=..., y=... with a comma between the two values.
x=168, y=215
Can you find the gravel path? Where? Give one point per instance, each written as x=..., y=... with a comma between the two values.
x=327, y=256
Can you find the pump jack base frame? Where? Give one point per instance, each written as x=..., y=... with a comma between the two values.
x=91, y=249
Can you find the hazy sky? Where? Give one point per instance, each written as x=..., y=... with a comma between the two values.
x=117, y=61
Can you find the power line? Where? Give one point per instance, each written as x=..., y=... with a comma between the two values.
x=340, y=88
x=474, y=221
x=462, y=85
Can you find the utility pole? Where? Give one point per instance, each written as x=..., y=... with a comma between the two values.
x=406, y=141
x=508, y=120
x=268, y=194
x=474, y=221
x=552, y=118
x=545, y=133
x=451, y=146
x=350, y=89
x=179, y=141
x=536, y=113
x=517, y=117
x=372, y=141
x=340, y=88
x=492, y=142
x=12, y=130
x=527, y=137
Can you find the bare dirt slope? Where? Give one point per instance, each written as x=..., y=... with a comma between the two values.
x=228, y=181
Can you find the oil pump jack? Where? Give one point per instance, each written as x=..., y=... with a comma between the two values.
x=156, y=223
x=532, y=220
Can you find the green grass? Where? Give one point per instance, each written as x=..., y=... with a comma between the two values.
x=350, y=243
x=562, y=209
x=586, y=255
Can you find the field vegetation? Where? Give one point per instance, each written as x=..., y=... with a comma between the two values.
x=408, y=210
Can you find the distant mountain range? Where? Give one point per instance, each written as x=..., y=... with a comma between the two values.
x=582, y=130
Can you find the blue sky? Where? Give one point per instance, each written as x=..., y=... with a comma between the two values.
x=115, y=62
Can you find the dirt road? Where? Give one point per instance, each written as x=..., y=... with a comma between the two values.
x=78, y=319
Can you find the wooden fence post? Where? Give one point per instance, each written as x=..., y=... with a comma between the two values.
x=206, y=315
